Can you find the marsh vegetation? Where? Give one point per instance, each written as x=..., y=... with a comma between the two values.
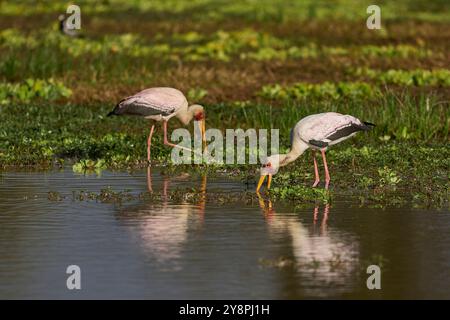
x=252, y=66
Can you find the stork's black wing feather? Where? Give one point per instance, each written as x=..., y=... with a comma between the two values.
x=347, y=130
x=318, y=143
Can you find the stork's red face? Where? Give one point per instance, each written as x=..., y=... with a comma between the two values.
x=199, y=116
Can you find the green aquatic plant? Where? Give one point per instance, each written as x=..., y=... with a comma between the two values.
x=300, y=193
x=388, y=177
x=287, y=51
x=392, y=51
x=417, y=77
x=32, y=89
x=221, y=45
x=87, y=165
x=107, y=195
x=312, y=50
x=130, y=44
x=14, y=38
x=325, y=90
x=196, y=94
x=54, y=196
x=366, y=182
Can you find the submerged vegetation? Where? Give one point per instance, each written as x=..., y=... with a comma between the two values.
x=252, y=65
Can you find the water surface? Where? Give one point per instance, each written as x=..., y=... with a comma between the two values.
x=160, y=249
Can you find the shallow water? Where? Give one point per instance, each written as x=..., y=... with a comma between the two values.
x=145, y=249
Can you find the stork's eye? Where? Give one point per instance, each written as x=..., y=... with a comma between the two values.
x=267, y=165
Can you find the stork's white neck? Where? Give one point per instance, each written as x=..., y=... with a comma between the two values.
x=186, y=114
x=297, y=150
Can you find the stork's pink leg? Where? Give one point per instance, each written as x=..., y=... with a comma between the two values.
x=316, y=170
x=327, y=174
x=149, y=143
x=166, y=141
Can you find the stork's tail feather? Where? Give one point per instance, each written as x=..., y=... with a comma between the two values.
x=368, y=125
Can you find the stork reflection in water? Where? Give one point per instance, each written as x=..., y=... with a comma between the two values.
x=162, y=227
x=329, y=257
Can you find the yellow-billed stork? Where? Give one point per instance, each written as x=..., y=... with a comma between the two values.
x=318, y=132
x=161, y=104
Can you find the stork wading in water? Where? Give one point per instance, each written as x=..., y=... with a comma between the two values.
x=161, y=104
x=318, y=132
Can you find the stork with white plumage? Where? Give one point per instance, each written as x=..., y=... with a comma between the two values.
x=318, y=132
x=161, y=104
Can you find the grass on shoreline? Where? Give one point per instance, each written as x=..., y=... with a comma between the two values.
x=50, y=133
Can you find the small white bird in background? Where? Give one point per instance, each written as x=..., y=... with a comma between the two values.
x=161, y=104
x=318, y=132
